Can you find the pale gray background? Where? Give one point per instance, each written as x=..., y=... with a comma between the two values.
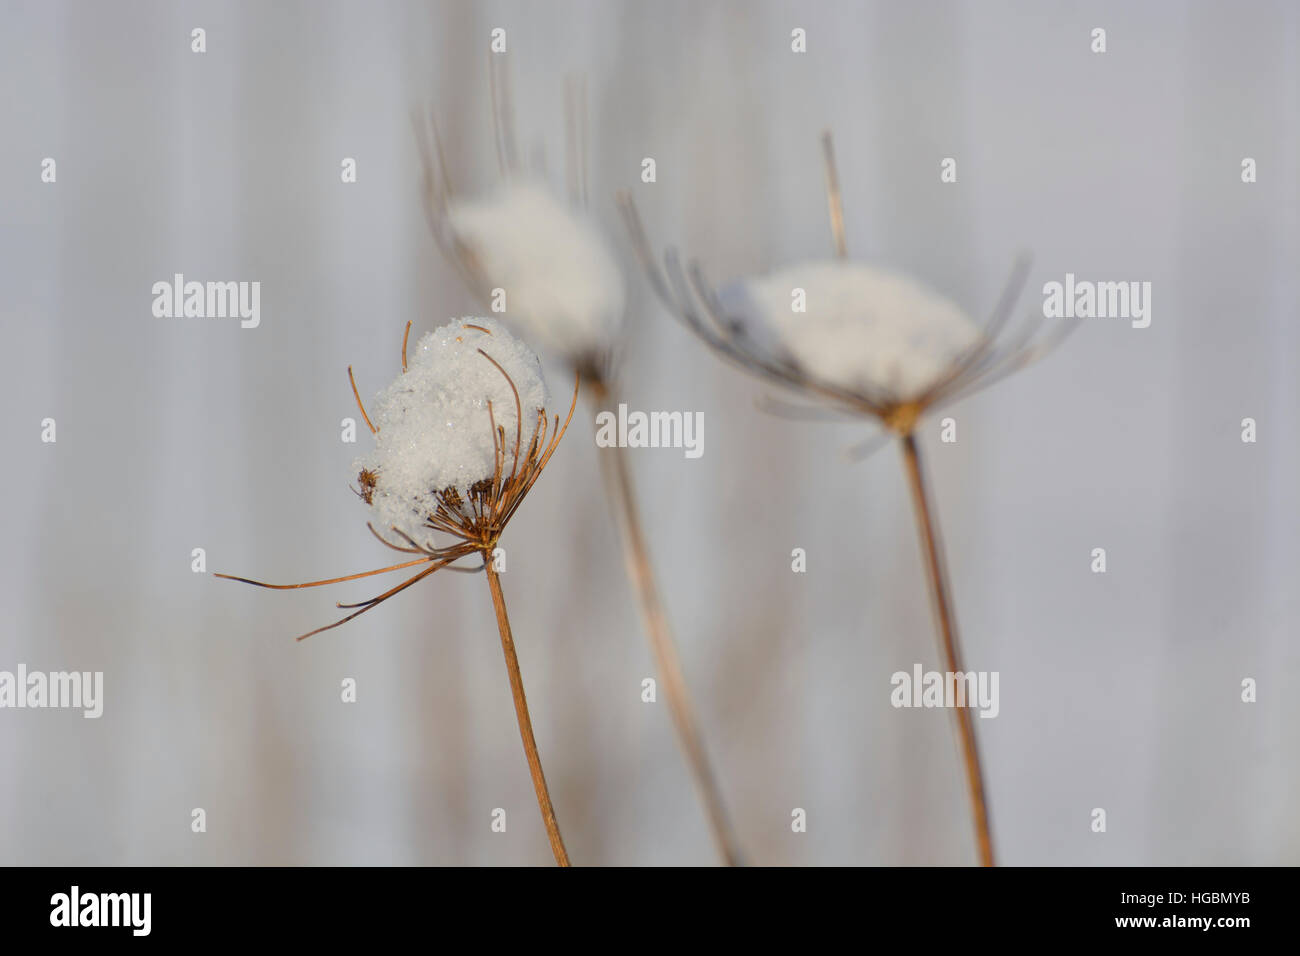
x=1119, y=691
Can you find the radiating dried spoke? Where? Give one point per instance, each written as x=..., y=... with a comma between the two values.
x=316, y=584
x=395, y=547
x=519, y=414
x=644, y=252
x=357, y=396
x=987, y=342
x=434, y=565
x=802, y=413
x=865, y=449
x=1014, y=363
x=355, y=614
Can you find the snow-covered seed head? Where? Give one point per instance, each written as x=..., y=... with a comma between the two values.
x=861, y=339
x=460, y=436
x=861, y=329
x=563, y=286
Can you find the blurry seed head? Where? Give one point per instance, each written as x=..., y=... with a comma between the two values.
x=860, y=328
x=867, y=342
x=563, y=287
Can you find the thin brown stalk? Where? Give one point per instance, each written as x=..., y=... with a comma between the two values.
x=927, y=526
x=622, y=498
x=521, y=712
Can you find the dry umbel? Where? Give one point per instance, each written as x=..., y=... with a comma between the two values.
x=474, y=511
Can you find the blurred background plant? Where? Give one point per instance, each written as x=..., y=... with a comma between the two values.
x=850, y=339
x=547, y=267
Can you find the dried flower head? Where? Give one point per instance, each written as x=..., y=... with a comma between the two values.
x=868, y=341
x=562, y=285
x=438, y=426
x=868, y=331
x=461, y=436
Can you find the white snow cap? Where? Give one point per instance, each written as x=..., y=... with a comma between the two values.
x=863, y=328
x=434, y=428
x=564, y=289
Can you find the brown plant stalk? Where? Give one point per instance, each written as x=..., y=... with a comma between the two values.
x=521, y=712
x=941, y=601
x=622, y=500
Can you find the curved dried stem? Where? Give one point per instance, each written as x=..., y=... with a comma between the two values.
x=357, y=396
x=521, y=713
x=927, y=527
x=414, y=545
x=519, y=414
x=316, y=584
x=414, y=549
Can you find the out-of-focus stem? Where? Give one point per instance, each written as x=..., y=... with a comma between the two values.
x=521, y=712
x=622, y=499
x=927, y=526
